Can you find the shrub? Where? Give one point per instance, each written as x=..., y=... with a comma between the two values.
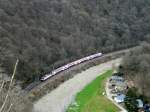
x=130, y=100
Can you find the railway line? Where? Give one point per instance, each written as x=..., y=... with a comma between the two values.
x=68, y=72
x=61, y=69
x=69, y=65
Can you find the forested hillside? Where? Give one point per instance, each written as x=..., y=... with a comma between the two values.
x=44, y=34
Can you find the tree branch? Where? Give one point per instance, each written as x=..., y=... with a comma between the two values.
x=6, y=98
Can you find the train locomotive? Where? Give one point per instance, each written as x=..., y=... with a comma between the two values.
x=69, y=65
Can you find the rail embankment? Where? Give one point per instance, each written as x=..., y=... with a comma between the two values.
x=47, y=86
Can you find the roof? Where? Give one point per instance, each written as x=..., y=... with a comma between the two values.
x=117, y=78
x=120, y=98
x=139, y=103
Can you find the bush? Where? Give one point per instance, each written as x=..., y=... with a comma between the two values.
x=130, y=100
x=118, y=74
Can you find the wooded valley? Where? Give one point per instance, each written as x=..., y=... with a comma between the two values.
x=44, y=34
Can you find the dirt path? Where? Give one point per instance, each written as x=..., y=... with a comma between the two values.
x=61, y=97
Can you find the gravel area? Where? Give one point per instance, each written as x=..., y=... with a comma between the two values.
x=62, y=96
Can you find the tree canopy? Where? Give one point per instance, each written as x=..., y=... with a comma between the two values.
x=44, y=34
x=136, y=67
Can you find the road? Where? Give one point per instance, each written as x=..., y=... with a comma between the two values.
x=62, y=96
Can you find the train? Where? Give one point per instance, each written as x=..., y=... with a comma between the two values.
x=69, y=65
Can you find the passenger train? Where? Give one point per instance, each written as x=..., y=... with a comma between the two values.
x=64, y=67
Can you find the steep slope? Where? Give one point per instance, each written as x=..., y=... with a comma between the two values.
x=45, y=34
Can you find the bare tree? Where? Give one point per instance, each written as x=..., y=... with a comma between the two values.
x=8, y=92
x=10, y=100
x=136, y=68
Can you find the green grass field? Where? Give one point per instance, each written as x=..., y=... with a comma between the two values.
x=90, y=99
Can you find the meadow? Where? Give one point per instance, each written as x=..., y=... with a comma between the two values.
x=91, y=98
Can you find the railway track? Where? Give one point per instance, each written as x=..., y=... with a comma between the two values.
x=54, y=81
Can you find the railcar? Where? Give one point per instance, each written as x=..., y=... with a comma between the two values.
x=62, y=68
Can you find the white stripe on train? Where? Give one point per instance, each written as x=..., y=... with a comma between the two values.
x=62, y=68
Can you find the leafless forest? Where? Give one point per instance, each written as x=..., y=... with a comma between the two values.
x=44, y=34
